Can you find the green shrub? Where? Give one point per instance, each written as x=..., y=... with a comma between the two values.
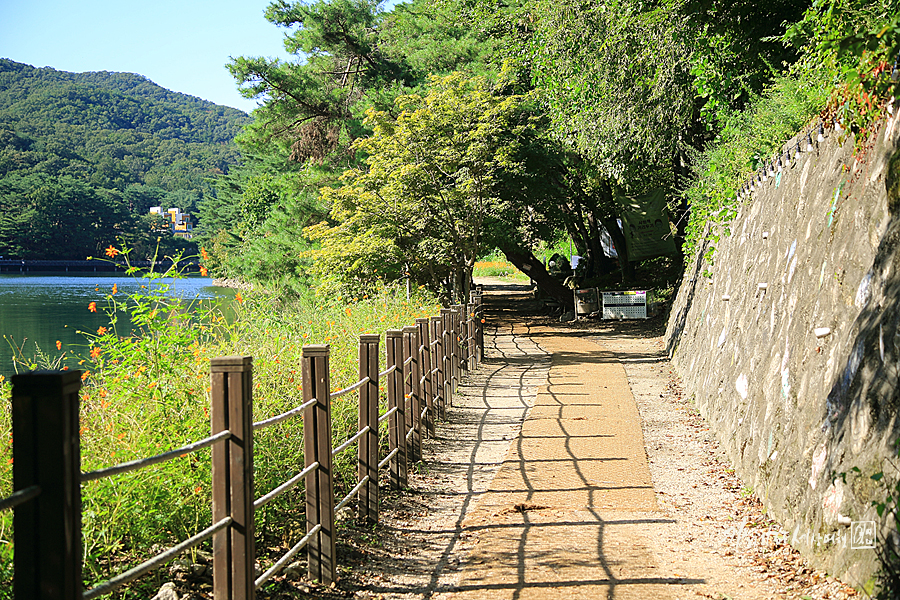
x=748, y=139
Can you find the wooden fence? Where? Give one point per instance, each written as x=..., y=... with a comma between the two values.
x=424, y=364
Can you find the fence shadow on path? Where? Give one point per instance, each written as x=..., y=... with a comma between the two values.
x=567, y=513
x=471, y=444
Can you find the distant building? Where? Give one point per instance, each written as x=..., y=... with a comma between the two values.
x=179, y=224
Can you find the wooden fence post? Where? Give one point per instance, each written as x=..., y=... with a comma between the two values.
x=425, y=378
x=446, y=352
x=478, y=301
x=455, y=335
x=317, y=448
x=471, y=344
x=367, y=507
x=397, y=421
x=462, y=330
x=234, y=559
x=47, y=453
x=411, y=391
x=437, y=360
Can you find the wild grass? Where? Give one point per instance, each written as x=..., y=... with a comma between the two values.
x=148, y=390
x=496, y=265
x=498, y=268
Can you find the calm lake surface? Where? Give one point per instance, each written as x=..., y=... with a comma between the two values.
x=37, y=310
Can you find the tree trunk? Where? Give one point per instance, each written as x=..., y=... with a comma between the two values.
x=529, y=264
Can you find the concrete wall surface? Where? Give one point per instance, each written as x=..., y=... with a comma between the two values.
x=789, y=343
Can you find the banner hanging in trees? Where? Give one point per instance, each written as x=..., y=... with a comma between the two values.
x=645, y=223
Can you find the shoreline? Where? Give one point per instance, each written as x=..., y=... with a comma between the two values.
x=235, y=284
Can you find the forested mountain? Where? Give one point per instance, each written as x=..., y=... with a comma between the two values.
x=112, y=144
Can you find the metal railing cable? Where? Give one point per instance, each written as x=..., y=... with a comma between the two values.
x=140, y=463
x=130, y=575
x=287, y=557
x=284, y=415
x=347, y=444
x=349, y=389
x=408, y=360
x=424, y=411
x=263, y=500
x=388, y=458
x=20, y=497
x=390, y=411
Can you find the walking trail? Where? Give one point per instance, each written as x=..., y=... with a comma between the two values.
x=570, y=467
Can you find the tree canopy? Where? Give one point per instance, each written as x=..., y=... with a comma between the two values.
x=433, y=190
x=406, y=143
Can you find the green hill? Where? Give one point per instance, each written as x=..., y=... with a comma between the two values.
x=100, y=148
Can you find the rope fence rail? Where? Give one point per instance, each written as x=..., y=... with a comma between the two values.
x=284, y=416
x=141, y=463
x=423, y=365
x=21, y=497
x=160, y=559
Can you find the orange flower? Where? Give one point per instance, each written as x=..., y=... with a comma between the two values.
x=92, y=307
x=203, y=253
x=95, y=353
x=203, y=271
x=115, y=288
x=112, y=252
x=58, y=345
x=239, y=298
x=102, y=330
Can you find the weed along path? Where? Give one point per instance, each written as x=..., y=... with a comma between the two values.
x=570, y=467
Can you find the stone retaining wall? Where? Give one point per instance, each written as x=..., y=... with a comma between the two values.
x=789, y=343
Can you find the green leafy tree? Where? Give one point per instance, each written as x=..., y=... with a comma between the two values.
x=350, y=57
x=50, y=218
x=433, y=191
x=858, y=42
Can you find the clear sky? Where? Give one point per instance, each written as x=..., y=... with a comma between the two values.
x=182, y=45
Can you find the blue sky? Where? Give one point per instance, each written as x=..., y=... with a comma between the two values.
x=182, y=45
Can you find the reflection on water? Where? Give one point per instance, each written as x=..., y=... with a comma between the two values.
x=38, y=310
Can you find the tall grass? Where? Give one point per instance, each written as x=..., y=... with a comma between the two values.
x=496, y=265
x=148, y=391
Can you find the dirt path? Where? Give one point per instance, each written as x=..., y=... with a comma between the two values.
x=571, y=467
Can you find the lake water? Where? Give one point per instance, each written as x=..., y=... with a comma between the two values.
x=37, y=310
